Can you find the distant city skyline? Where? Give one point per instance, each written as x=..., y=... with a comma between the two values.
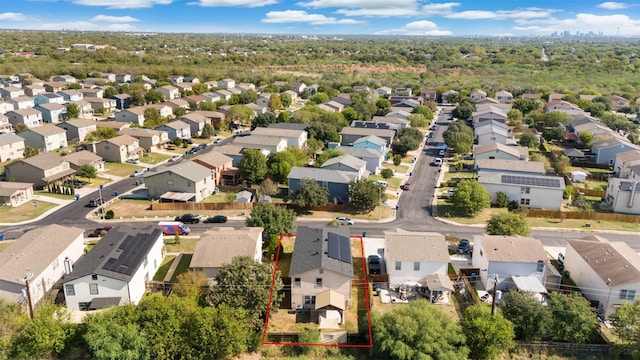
x=349, y=17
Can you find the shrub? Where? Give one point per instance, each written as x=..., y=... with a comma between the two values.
x=459, y=166
x=386, y=173
x=502, y=201
x=568, y=191
x=110, y=215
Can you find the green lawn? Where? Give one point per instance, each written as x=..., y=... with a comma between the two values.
x=219, y=197
x=182, y=267
x=27, y=211
x=95, y=182
x=187, y=244
x=120, y=169
x=458, y=174
x=57, y=196
x=153, y=158
x=392, y=184
x=401, y=169
x=164, y=268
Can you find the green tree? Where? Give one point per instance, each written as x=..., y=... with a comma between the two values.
x=110, y=91
x=311, y=194
x=365, y=195
x=275, y=103
x=263, y=120
x=240, y=114
x=514, y=116
x=191, y=284
x=529, y=139
x=408, y=139
x=274, y=219
x=247, y=284
x=459, y=137
x=179, y=111
x=87, y=171
x=207, y=131
x=12, y=323
x=488, y=336
x=73, y=111
x=45, y=335
x=108, y=338
x=152, y=118
x=423, y=110
x=279, y=165
x=323, y=131
x=268, y=187
x=350, y=114
x=573, y=318
x=154, y=97
x=462, y=112
x=586, y=139
x=470, y=197
x=397, y=160
x=386, y=173
x=502, y=201
x=20, y=127
x=30, y=151
x=101, y=134
x=528, y=316
x=383, y=107
x=401, y=334
x=418, y=120
x=508, y=224
x=556, y=133
x=284, y=117
x=326, y=155
x=285, y=100
x=253, y=166
x=248, y=97
x=626, y=325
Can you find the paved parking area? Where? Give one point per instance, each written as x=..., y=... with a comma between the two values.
x=375, y=246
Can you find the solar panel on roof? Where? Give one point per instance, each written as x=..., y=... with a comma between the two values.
x=339, y=248
x=333, y=249
x=345, y=249
x=532, y=181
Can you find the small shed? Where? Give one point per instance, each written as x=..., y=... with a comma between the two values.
x=578, y=176
x=244, y=196
x=264, y=199
x=330, y=306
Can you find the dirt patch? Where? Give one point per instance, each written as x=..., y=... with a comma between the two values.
x=142, y=209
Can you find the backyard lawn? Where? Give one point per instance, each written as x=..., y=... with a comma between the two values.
x=153, y=158
x=187, y=244
x=27, y=211
x=402, y=169
x=120, y=169
x=164, y=268
x=182, y=267
x=392, y=184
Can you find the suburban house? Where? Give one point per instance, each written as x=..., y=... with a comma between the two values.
x=219, y=245
x=623, y=196
x=55, y=86
x=534, y=191
x=294, y=138
x=232, y=151
x=65, y=79
x=186, y=181
x=101, y=104
x=321, y=272
x=10, y=92
x=563, y=106
x=15, y=193
x=71, y=95
x=268, y=143
x=372, y=157
x=226, y=83
x=5, y=125
x=123, y=101
x=5, y=106
x=21, y=103
x=390, y=122
x=514, y=167
x=384, y=91
x=52, y=112
x=210, y=97
x=488, y=132
x=218, y=163
x=119, y=149
x=40, y=170
x=33, y=90
x=195, y=121
x=606, y=272
x=429, y=95
x=11, y=147
x=92, y=92
x=215, y=118
x=81, y=158
x=40, y=256
x=123, y=78
x=503, y=257
x=336, y=181
x=46, y=138
x=78, y=129
x=30, y=117
x=477, y=95
x=147, y=138
x=176, y=129
x=169, y=92
x=500, y=151
x=85, y=108
x=489, y=113
x=289, y=126
x=350, y=135
x=347, y=163
x=177, y=104
x=48, y=98
x=134, y=115
x=624, y=160
x=605, y=150
x=410, y=256
x=224, y=94
x=115, y=125
x=194, y=100
x=504, y=97
x=618, y=102
x=114, y=272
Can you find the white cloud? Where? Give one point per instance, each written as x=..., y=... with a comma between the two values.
x=298, y=16
x=439, y=8
x=86, y=26
x=11, y=16
x=612, y=5
x=382, y=12
x=114, y=19
x=230, y=3
x=421, y=27
x=607, y=24
x=362, y=4
x=123, y=4
x=527, y=13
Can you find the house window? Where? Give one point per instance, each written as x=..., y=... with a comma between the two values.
x=309, y=299
x=55, y=264
x=524, y=202
x=525, y=190
x=94, y=277
x=93, y=289
x=71, y=290
x=627, y=294
x=321, y=271
x=318, y=283
x=416, y=266
x=106, y=147
x=188, y=183
x=296, y=282
x=481, y=253
x=492, y=157
x=398, y=265
x=169, y=182
x=540, y=266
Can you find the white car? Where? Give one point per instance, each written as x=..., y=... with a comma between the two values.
x=175, y=158
x=449, y=192
x=137, y=173
x=344, y=220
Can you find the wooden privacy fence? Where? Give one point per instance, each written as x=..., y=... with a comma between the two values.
x=592, y=192
x=557, y=214
x=201, y=206
x=328, y=207
x=534, y=346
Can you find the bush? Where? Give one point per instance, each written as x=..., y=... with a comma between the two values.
x=502, y=201
x=110, y=215
x=386, y=173
x=568, y=191
x=459, y=166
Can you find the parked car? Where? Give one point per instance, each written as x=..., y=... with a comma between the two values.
x=431, y=134
x=202, y=146
x=449, y=192
x=174, y=228
x=137, y=173
x=96, y=202
x=217, y=141
x=344, y=220
x=175, y=158
x=441, y=152
x=464, y=246
x=374, y=264
x=218, y=219
x=100, y=231
x=188, y=141
x=436, y=162
x=133, y=161
x=382, y=183
x=188, y=218
x=406, y=186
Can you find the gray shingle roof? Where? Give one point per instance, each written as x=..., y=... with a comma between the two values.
x=187, y=169
x=10, y=138
x=346, y=160
x=310, y=251
x=372, y=139
x=218, y=246
x=44, y=161
x=511, y=248
x=360, y=153
x=401, y=245
x=614, y=261
x=320, y=174
x=118, y=254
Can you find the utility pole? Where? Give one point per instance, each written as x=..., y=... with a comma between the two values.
x=379, y=202
x=29, y=303
x=493, y=302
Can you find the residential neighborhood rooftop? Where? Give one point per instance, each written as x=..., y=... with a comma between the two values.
x=511, y=248
x=615, y=262
x=311, y=250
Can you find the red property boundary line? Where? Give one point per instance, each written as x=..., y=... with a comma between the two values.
x=365, y=286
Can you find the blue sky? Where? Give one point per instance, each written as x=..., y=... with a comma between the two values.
x=368, y=17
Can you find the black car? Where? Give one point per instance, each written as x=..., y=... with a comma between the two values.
x=188, y=218
x=218, y=219
x=464, y=246
x=188, y=141
x=202, y=146
x=374, y=264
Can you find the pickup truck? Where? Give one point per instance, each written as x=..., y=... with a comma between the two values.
x=100, y=231
x=374, y=264
x=189, y=218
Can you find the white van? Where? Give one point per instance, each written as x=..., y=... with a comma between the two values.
x=382, y=182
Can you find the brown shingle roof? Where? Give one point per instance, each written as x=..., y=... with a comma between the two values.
x=614, y=261
x=511, y=248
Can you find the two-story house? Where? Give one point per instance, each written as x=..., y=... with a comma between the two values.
x=351, y=134
x=101, y=104
x=71, y=95
x=40, y=170
x=176, y=129
x=14, y=193
x=119, y=149
x=11, y=147
x=336, y=181
x=81, y=158
x=535, y=191
x=266, y=143
x=30, y=117
x=347, y=163
x=500, y=151
x=147, y=138
x=78, y=129
x=504, y=97
x=115, y=271
x=217, y=162
x=186, y=177
x=169, y=92
x=10, y=92
x=53, y=113
x=48, y=98
x=45, y=138
x=21, y=103
x=372, y=157
x=294, y=138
